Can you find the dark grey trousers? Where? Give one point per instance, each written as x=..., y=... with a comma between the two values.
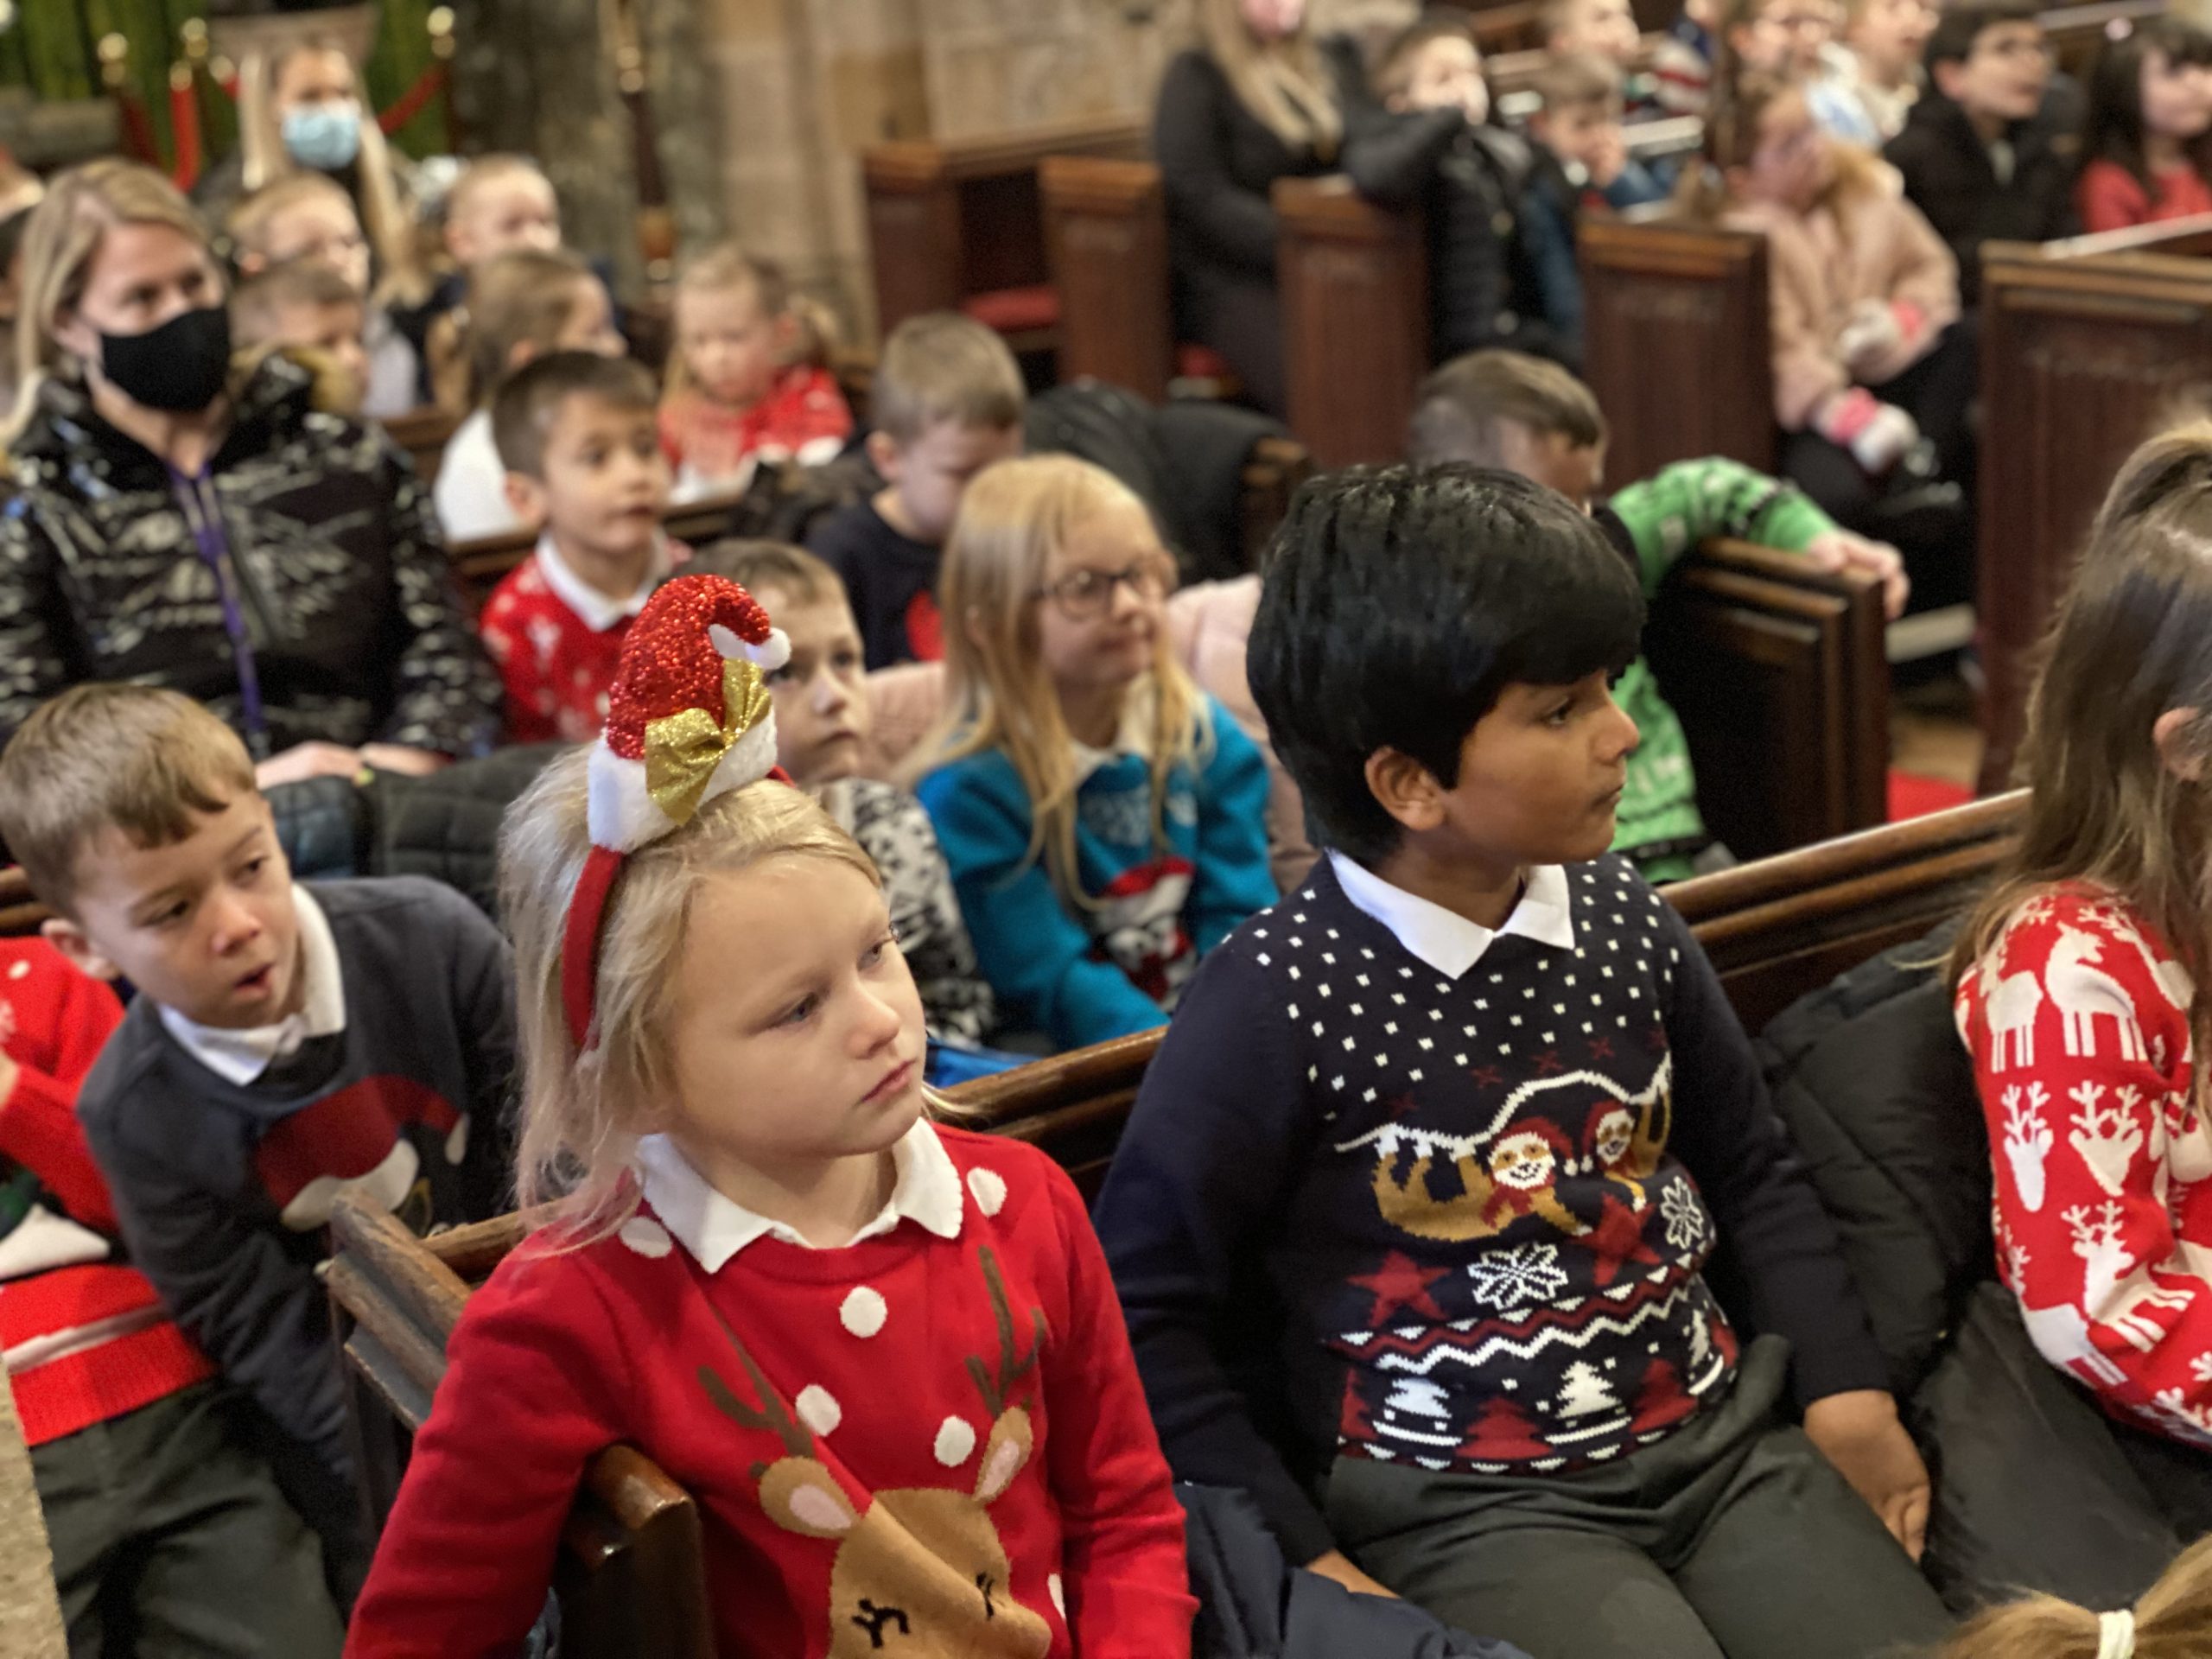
x=170, y=1539
x=1733, y=1538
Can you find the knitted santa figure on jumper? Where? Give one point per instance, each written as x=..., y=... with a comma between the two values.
x=689, y=718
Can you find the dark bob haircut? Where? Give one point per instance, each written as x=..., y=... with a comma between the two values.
x=1400, y=601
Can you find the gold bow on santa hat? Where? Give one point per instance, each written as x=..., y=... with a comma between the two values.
x=682, y=749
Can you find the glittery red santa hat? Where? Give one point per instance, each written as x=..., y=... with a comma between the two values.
x=689, y=718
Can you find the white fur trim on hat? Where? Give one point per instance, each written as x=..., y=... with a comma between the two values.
x=622, y=818
x=771, y=654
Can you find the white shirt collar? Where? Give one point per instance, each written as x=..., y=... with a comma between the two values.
x=242, y=1056
x=1132, y=736
x=714, y=1229
x=1447, y=941
x=597, y=610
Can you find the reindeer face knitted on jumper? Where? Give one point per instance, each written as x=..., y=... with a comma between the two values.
x=689, y=718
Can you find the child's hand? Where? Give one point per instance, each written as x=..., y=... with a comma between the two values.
x=1872, y=333
x=1838, y=549
x=1338, y=1566
x=9, y=1072
x=305, y=760
x=394, y=757
x=1877, y=434
x=1860, y=1433
x=1607, y=157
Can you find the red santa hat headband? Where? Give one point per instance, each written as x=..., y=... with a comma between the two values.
x=689, y=718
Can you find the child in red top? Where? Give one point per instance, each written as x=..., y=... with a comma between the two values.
x=884, y=1356
x=2076, y=979
x=2149, y=140
x=144, y=1483
x=747, y=380
x=576, y=432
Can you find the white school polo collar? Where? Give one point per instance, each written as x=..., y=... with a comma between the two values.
x=239, y=1057
x=926, y=1191
x=1447, y=941
x=594, y=609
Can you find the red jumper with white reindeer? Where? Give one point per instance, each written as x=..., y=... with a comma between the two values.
x=930, y=1442
x=2077, y=1019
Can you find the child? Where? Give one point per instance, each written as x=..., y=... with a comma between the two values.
x=2147, y=150
x=1604, y=29
x=1103, y=818
x=882, y=1356
x=2173, y=1620
x=1416, y=1198
x=1501, y=409
x=1681, y=65
x=287, y=1043
x=1864, y=296
x=948, y=401
x=162, y=1521
x=743, y=382
x=1435, y=145
x=1582, y=166
x=1879, y=58
x=1792, y=41
x=576, y=433
x=1979, y=156
x=2103, y=1222
x=821, y=729
x=308, y=215
x=307, y=308
x=500, y=204
x=521, y=305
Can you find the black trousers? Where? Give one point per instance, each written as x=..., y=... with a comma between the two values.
x=171, y=1539
x=1733, y=1538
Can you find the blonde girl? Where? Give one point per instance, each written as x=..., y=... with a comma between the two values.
x=1103, y=819
x=300, y=109
x=2076, y=983
x=2172, y=1621
x=521, y=305
x=749, y=376
x=882, y=1354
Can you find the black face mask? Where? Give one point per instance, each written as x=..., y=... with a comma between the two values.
x=180, y=366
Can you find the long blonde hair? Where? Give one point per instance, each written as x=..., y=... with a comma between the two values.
x=2132, y=640
x=2172, y=1621
x=385, y=214
x=59, y=244
x=1285, y=84
x=998, y=693
x=582, y=1112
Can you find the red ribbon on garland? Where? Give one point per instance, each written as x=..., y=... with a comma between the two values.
x=184, y=125
x=416, y=99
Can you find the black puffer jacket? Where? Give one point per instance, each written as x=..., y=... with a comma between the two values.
x=2032, y=1489
x=355, y=632
x=1949, y=176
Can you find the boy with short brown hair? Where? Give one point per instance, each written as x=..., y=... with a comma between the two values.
x=288, y=1043
x=948, y=401
x=307, y=308
x=578, y=434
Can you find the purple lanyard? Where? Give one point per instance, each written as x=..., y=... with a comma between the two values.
x=204, y=513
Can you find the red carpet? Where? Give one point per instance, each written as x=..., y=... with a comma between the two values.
x=1912, y=795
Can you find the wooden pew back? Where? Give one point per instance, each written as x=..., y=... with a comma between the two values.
x=2087, y=348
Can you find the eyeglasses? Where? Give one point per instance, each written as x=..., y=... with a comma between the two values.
x=1084, y=595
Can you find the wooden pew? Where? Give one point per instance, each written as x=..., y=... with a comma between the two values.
x=2078, y=33
x=630, y=1574
x=1676, y=342
x=479, y=563
x=2087, y=348
x=958, y=225
x=424, y=434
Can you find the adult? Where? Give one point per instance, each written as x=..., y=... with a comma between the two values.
x=180, y=525
x=300, y=109
x=1257, y=101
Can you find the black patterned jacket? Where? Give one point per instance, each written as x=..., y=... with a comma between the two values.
x=357, y=632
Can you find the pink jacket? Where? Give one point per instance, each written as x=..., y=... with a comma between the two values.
x=1873, y=245
x=1209, y=622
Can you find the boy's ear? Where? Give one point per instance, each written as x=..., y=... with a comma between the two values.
x=251, y=264
x=883, y=452
x=1407, y=790
x=521, y=354
x=70, y=940
x=526, y=496
x=2170, y=733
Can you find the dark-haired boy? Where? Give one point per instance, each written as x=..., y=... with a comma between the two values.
x=1981, y=155
x=1411, y=1219
x=579, y=436
x=1525, y=415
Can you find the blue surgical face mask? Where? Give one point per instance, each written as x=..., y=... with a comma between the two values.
x=325, y=136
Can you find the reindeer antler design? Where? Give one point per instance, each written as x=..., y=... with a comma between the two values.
x=1013, y=1364
x=798, y=1439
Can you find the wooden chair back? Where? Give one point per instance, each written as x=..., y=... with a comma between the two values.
x=424, y=434
x=2087, y=348
x=1676, y=342
x=951, y=221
